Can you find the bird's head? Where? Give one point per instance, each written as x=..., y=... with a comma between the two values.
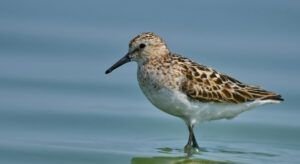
x=142, y=48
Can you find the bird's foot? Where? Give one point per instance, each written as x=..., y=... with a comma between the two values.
x=191, y=149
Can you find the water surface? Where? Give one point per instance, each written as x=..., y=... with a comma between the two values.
x=58, y=106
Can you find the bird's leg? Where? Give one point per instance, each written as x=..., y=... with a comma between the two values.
x=192, y=145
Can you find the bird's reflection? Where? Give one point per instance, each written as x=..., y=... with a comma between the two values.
x=167, y=158
x=172, y=160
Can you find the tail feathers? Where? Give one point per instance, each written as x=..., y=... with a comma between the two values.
x=273, y=97
x=261, y=94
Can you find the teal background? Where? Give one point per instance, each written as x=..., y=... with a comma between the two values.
x=58, y=106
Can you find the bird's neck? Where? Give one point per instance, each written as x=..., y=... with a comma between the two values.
x=154, y=59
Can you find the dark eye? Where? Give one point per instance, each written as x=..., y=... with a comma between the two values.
x=142, y=45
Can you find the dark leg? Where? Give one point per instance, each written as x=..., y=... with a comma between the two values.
x=192, y=145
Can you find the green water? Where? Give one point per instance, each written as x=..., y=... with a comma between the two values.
x=58, y=106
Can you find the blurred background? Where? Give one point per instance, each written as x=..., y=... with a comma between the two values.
x=58, y=106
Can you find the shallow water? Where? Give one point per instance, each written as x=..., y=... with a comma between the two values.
x=57, y=106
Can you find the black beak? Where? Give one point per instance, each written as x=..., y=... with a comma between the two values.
x=122, y=61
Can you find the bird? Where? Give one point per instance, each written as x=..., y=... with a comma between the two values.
x=188, y=90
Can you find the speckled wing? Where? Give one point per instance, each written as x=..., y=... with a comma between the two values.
x=204, y=84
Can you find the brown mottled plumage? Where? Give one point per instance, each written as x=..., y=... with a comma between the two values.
x=183, y=88
x=207, y=85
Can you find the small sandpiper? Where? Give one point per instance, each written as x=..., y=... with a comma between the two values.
x=188, y=90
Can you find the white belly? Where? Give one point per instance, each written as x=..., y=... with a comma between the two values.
x=177, y=104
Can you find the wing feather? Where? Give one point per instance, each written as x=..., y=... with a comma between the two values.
x=204, y=84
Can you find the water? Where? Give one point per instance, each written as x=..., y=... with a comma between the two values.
x=57, y=106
